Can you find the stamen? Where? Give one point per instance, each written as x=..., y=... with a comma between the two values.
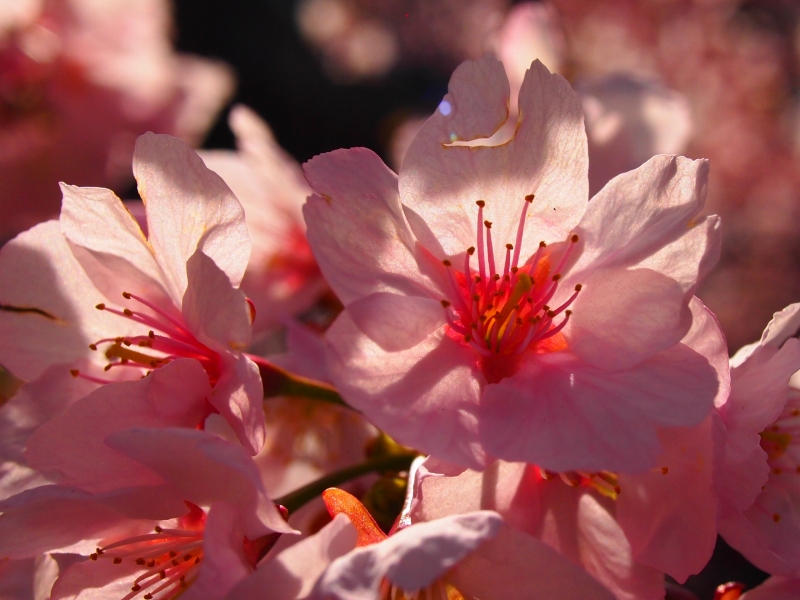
x=521, y=228
x=490, y=247
x=481, y=267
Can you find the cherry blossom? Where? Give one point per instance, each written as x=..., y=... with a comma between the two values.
x=625, y=530
x=761, y=472
x=468, y=555
x=92, y=286
x=282, y=278
x=196, y=509
x=80, y=80
x=492, y=311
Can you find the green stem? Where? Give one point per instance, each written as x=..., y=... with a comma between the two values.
x=279, y=382
x=392, y=462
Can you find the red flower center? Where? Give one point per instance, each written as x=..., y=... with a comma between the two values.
x=506, y=313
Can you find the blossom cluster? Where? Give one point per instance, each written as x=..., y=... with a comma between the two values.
x=488, y=385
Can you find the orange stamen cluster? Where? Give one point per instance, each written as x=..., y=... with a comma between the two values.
x=604, y=482
x=508, y=312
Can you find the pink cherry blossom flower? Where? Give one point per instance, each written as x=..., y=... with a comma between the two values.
x=492, y=311
x=93, y=286
x=471, y=555
x=577, y=518
x=230, y=521
x=80, y=80
x=760, y=476
x=282, y=277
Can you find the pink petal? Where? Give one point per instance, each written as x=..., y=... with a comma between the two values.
x=109, y=244
x=73, y=444
x=425, y=397
x=181, y=195
x=239, y=396
x=206, y=469
x=669, y=514
x=707, y=339
x=605, y=553
x=224, y=564
x=547, y=157
x=396, y=322
x=775, y=588
x=52, y=517
x=90, y=580
x=293, y=573
x=516, y=565
x=33, y=405
x=624, y=316
x=357, y=229
x=784, y=324
x=16, y=579
x=215, y=311
x=413, y=558
x=563, y=415
x=47, y=304
x=639, y=212
x=500, y=487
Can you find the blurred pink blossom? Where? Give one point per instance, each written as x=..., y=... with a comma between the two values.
x=79, y=81
x=282, y=277
x=362, y=39
x=463, y=344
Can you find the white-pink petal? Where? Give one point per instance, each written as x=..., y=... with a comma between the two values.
x=188, y=207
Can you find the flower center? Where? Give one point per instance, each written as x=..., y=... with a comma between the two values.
x=506, y=313
x=780, y=440
x=152, y=350
x=295, y=265
x=439, y=590
x=170, y=557
x=605, y=482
